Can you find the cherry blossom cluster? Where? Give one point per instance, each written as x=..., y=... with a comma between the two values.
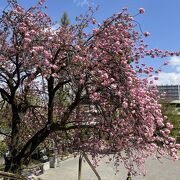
x=95, y=82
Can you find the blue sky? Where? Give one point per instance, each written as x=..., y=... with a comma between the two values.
x=161, y=19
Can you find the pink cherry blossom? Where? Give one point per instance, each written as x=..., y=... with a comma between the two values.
x=125, y=104
x=146, y=34
x=141, y=10
x=93, y=21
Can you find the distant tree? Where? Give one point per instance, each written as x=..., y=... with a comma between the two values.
x=65, y=19
x=171, y=115
x=107, y=106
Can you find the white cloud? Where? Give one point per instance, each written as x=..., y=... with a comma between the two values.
x=55, y=26
x=170, y=78
x=83, y=2
x=175, y=62
x=178, y=69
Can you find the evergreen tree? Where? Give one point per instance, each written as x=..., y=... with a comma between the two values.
x=65, y=19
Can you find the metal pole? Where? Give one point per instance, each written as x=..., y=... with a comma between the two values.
x=92, y=167
x=80, y=167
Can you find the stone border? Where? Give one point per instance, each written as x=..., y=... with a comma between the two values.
x=53, y=163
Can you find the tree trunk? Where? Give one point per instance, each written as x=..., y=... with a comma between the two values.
x=14, y=166
x=16, y=121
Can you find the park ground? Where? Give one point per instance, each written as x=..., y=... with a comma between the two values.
x=164, y=169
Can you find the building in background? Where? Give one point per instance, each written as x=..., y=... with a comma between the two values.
x=171, y=94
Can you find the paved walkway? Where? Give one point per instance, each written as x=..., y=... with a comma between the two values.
x=156, y=170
